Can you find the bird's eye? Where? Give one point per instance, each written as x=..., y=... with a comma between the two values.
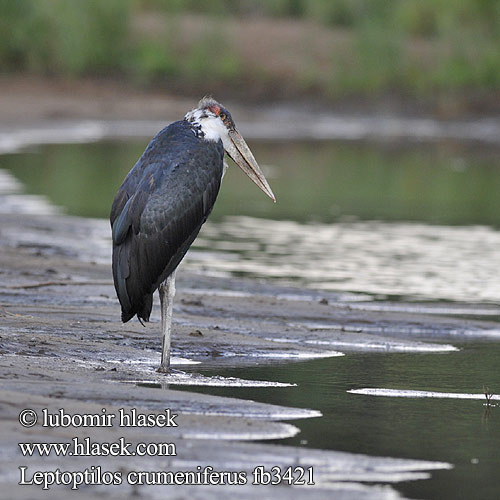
x=222, y=116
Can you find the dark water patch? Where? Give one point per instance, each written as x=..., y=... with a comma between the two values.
x=462, y=432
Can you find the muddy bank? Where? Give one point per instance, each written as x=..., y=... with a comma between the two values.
x=63, y=346
x=41, y=110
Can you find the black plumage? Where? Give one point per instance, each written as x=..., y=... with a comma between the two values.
x=159, y=210
x=162, y=204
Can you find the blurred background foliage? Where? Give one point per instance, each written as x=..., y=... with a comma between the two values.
x=326, y=48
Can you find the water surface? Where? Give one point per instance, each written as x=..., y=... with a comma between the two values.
x=462, y=432
x=368, y=218
x=313, y=181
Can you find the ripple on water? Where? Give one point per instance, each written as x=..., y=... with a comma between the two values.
x=416, y=260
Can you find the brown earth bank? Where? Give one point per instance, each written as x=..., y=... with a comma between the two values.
x=28, y=99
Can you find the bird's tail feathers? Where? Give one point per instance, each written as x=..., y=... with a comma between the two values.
x=142, y=310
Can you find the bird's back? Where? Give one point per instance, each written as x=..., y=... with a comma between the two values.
x=159, y=210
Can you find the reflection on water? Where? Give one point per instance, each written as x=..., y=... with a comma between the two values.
x=416, y=260
x=323, y=182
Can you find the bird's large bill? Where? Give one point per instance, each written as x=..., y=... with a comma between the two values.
x=240, y=153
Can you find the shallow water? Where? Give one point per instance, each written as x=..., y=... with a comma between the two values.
x=385, y=222
x=463, y=432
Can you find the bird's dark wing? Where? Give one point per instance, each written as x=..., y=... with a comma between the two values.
x=158, y=212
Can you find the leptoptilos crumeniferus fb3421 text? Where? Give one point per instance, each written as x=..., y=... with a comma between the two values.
x=163, y=202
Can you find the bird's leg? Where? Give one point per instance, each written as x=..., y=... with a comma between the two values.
x=167, y=292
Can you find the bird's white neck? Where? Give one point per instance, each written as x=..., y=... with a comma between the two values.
x=211, y=127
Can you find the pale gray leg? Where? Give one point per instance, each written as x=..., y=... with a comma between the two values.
x=167, y=292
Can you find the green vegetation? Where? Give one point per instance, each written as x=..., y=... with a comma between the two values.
x=68, y=37
x=415, y=47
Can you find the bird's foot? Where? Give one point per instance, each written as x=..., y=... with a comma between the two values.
x=169, y=370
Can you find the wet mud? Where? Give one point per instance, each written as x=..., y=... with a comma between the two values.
x=62, y=345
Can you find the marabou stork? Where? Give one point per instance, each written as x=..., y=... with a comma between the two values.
x=163, y=202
